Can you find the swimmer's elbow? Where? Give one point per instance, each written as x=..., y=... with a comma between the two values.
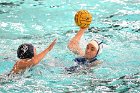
x=72, y=48
x=75, y=48
x=72, y=45
x=35, y=61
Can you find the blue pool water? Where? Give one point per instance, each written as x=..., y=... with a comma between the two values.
x=115, y=22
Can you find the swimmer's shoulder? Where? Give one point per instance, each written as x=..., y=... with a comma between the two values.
x=22, y=65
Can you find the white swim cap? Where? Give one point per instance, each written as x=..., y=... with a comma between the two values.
x=95, y=44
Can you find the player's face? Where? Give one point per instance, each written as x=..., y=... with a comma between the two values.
x=90, y=51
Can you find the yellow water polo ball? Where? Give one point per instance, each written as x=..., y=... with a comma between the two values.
x=83, y=18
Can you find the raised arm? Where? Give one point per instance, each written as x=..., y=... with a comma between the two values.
x=74, y=46
x=37, y=58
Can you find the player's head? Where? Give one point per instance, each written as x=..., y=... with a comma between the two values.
x=25, y=51
x=92, y=49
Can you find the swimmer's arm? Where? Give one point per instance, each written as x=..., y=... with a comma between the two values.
x=74, y=43
x=40, y=56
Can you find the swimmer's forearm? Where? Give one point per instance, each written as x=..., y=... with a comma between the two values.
x=75, y=40
x=74, y=43
x=41, y=55
x=79, y=34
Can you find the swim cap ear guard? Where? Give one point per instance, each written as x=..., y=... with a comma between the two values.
x=100, y=48
x=25, y=51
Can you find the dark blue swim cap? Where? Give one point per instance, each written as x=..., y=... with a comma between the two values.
x=25, y=51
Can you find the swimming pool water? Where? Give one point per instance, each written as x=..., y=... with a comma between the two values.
x=115, y=22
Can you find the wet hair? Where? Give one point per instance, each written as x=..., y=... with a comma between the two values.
x=25, y=51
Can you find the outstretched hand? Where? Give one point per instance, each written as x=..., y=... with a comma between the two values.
x=52, y=44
